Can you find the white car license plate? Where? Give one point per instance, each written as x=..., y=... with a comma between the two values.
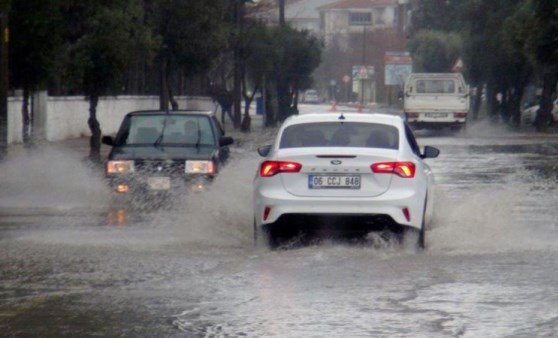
x=436, y=115
x=334, y=181
x=159, y=183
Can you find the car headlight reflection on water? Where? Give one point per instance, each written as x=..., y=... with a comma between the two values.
x=120, y=167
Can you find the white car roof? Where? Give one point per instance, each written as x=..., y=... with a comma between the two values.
x=393, y=120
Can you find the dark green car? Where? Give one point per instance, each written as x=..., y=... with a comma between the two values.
x=157, y=152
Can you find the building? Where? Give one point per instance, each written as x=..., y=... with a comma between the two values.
x=365, y=45
x=365, y=56
x=299, y=14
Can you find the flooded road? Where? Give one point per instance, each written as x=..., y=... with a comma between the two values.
x=73, y=265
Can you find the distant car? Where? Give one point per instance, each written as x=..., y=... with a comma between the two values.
x=528, y=115
x=347, y=174
x=436, y=100
x=155, y=152
x=311, y=96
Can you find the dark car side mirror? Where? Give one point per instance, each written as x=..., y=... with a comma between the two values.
x=108, y=140
x=430, y=152
x=264, y=150
x=225, y=141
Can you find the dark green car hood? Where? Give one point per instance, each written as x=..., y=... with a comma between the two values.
x=161, y=153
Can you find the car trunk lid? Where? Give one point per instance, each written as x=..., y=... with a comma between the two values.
x=342, y=172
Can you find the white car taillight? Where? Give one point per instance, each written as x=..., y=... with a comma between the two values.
x=401, y=169
x=271, y=168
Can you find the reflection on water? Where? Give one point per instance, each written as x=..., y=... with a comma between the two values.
x=117, y=217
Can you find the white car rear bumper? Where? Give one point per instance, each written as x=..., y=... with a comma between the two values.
x=391, y=203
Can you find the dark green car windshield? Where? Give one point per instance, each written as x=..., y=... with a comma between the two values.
x=140, y=130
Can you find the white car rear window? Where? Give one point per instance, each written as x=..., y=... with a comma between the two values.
x=337, y=134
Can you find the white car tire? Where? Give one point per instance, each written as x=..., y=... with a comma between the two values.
x=264, y=238
x=415, y=238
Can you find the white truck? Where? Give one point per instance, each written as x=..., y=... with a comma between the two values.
x=436, y=100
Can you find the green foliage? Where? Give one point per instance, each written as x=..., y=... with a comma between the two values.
x=502, y=42
x=5, y=5
x=304, y=56
x=435, y=51
x=103, y=38
x=257, y=51
x=277, y=55
x=191, y=32
x=36, y=29
x=544, y=45
x=437, y=15
x=297, y=55
x=264, y=48
x=484, y=51
x=517, y=33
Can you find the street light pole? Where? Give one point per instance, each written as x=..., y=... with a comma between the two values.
x=363, y=64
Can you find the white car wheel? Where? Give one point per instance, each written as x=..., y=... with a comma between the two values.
x=414, y=238
x=265, y=238
x=260, y=238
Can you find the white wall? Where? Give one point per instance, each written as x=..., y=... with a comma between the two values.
x=60, y=118
x=15, y=122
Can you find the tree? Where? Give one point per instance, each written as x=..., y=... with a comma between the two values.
x=103, y=38
x=192, y=35
x=543, y=49
x=436, y=15
x=516, y=33
x=256, y=62
x=303, y=55
x=488, y=60
x=489, y=48
x=264, y=58
x=282, y=88
x=36, y=41
x=435, y=51
x=4, y=10
x=297, y=54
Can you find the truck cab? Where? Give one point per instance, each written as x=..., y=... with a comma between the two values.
x=436, y=100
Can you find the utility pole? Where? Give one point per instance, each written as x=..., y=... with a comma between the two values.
x=283, y=102
x=363, y=64
x=4, y=39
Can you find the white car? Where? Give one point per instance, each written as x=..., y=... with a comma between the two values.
x=311, y=96
x=347, y=173
x=528, y=115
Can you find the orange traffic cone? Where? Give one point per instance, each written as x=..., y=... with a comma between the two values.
x=333, y=106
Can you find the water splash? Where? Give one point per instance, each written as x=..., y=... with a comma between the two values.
x=50, y=178
x=497, y=218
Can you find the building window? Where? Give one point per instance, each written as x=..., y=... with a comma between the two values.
x=361, y=18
